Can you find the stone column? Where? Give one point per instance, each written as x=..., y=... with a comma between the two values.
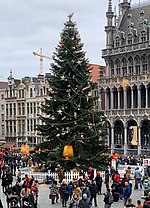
x=125, y=141
x=112, y=139
x=139, y=140
x=132, y=99
x=146, y=88
x=139, y=98
x=106, y=101
x=125, y=98
x=112, y=100
x=118, y=99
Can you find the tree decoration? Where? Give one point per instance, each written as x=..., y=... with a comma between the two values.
x=62, y=77
x=25, y=149
x=59, y=111
x=68, y=114
x=68, y=152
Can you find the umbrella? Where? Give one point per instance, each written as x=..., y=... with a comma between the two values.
x=115, y=156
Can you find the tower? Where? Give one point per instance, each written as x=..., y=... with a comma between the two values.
x=109, y=28
x=124, y=6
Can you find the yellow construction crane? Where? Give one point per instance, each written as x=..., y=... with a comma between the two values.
x=41, y=59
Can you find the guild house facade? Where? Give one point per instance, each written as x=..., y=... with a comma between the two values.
x=125, y=88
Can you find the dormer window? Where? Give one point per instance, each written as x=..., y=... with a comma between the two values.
x=129, y=39
x=143, y=36
x=117, y=42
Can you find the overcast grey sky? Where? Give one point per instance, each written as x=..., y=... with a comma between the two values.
x=28, y=25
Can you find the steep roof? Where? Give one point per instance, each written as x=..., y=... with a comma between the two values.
x=135, y=16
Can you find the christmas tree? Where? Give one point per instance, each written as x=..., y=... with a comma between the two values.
x=70, y=117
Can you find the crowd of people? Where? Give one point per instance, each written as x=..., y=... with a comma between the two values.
x=21, y=192
x=83, y=192
x=78, y=193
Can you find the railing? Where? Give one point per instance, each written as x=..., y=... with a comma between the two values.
x=41, y=176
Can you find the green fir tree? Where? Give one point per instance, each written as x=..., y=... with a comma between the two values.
x=70, y=117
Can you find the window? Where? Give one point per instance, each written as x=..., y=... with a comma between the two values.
x=7, y=128
x=130, y=65
x=19, y=126
x=2, y=107
x=14, y=108
x=112, y=67
x=11, y=127
x=19, y=108
x=117, y=67
x=23, y=126
x=19, y=93
x=31, y=92
x=143, y=36
x=34, y=108
x=27, y=108
x=31, y=126
x=15, y=127
x=129, y=39
x=23, y=108
x=7, y=109
x=10, y=108
x=2, y=116
x=117, y=42
x=144, y=63
x=124, y=67
x=22, y=93
x=28, y=126
x=3, y=130
x=2, y=96
x=137, y=65
x=31, y=111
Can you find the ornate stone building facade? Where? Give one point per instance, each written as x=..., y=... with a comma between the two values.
x=23, y=99
x=126, y=86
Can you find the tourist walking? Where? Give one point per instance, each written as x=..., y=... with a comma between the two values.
x=130, y=204
x=108, y=199
x=64, y=193
x=126, y=193
x=107, y=179
x=74, y=203
x=93, y=191
x=99, y=182
x=85, y=202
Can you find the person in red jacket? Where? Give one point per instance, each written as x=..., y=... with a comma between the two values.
x=117, y=177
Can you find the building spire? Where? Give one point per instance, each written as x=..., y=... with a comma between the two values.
x=109, y=5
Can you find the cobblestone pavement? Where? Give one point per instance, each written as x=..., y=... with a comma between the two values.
x=44, y=201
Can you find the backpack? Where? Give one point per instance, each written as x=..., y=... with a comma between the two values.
x=111, y=199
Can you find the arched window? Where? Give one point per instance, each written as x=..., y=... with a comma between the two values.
x=130, y=65
x=112, y=68
x=117, y=42
x=31, y=92
x=137, y=65
x=124, y=66
x=129, y=39
x=117, y=63
x=143, y=36
x=144, y=63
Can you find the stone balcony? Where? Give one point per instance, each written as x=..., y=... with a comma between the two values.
x=107, y=81
x=125, y=49
x=127, y=112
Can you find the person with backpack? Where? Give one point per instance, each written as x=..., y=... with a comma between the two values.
x=108, y=199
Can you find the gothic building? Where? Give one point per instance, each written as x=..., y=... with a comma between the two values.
x=126, y=86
